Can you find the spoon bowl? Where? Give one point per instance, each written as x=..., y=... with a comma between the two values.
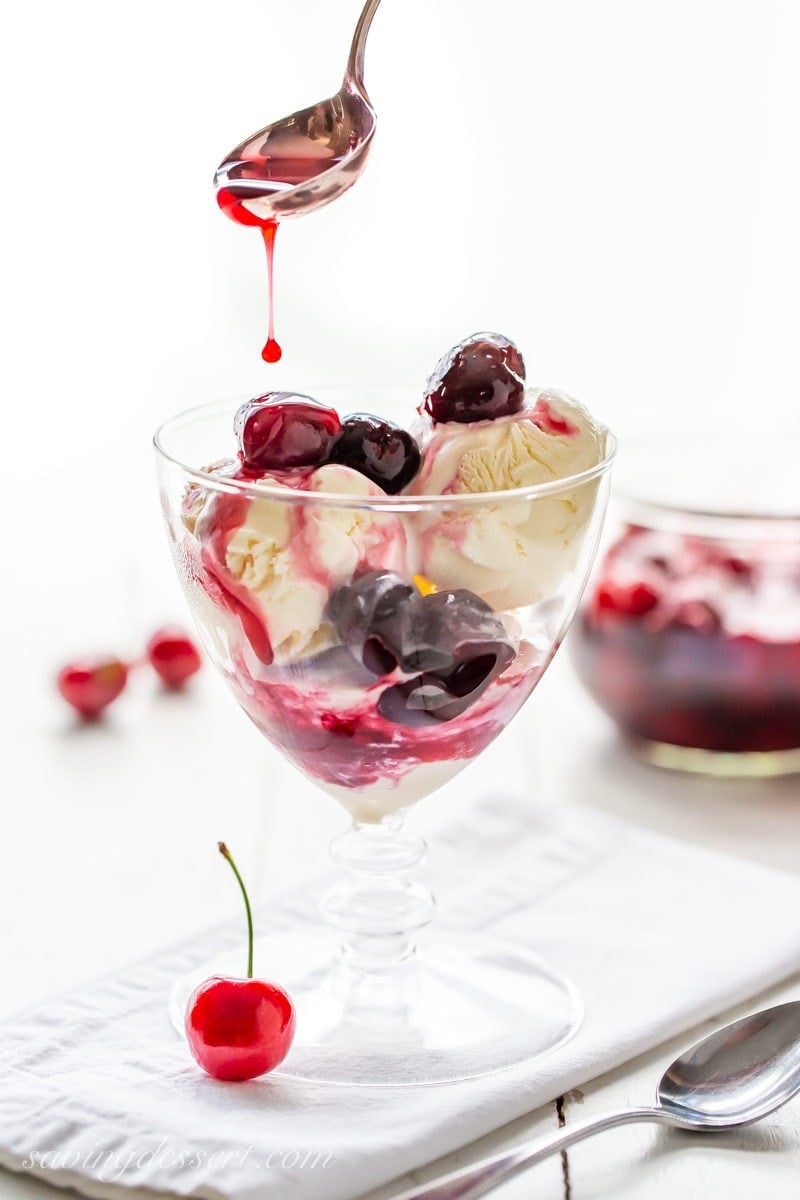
x=738, y=1074
x=299, y=163
x=728, y=1079
x=305, y=160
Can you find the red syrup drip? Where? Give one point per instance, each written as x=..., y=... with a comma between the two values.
x=549, y=421
x=359, y=747
x=272, y=351
x=228, y=514
x=232, y=206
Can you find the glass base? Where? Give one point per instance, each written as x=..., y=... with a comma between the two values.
x=746, y=765
x=457, y=1008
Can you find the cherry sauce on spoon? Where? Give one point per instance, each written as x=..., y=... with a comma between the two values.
x=301, y=162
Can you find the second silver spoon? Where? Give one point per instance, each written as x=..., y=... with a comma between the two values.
x=731, y=1078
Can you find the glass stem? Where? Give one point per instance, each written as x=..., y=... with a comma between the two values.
x=377, y=905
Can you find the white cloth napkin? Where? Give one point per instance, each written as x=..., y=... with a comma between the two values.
x=656, y=934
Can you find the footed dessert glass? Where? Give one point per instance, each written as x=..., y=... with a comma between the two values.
x=381, y=683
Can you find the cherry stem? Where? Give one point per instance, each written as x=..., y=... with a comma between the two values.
x=225, y=852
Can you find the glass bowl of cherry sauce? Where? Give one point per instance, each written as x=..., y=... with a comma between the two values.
x=689, y=632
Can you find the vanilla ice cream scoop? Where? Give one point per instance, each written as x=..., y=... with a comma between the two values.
x=287, y=558
x=519, y=551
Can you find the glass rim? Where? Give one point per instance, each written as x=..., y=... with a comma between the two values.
x=705, y=522
x=256, y=490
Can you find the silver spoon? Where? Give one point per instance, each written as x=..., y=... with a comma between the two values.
x=308, y=159
x=731, y=1078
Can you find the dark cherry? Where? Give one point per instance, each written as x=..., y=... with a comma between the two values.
x=453, y=644
x=385, y=453
x=282, y=429
x=374, y=617
x=414, y=704
x=478, y=380
x=460, y=628
x=387, y=623
x=433, y=697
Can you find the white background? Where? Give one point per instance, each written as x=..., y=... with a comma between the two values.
x=616, y=185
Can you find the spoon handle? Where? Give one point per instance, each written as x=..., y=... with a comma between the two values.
x=355, y=63
x=477, y=1180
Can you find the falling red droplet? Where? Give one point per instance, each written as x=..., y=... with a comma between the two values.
x=272, y=351
x=232, y=204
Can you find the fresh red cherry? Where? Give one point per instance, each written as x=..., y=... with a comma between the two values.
x=239, y=1028
x=480, y=379
x=173, y=654
x=385, y=453
x=281, y=429
x=92, y=684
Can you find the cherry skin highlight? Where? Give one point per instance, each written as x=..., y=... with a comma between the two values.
x=90, y=685
x=230, y=201
x=385, y=453
x=480, y=379
x=280, y=430
x=174, y=656
x=239, y=1028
